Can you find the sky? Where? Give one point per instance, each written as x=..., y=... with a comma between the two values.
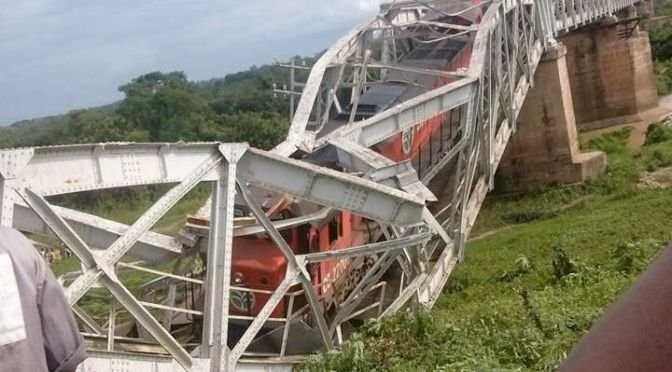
x=59, y=55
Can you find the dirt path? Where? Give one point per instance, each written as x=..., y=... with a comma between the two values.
x=638, y=135
x=508, y=227
x=491, y=232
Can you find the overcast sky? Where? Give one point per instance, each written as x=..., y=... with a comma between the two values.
x=58, y=55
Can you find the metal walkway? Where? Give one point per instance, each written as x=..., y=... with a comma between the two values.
x=421, y=209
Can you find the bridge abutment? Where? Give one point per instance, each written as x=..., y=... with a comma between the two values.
x=611, y=73
x=545, y=148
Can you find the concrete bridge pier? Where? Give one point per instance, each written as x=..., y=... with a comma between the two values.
x=545, y=149
x=611, y=73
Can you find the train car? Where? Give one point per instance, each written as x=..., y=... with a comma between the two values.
x=259, y=266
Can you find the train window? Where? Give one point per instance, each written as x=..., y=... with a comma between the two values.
x=335, y=229
x=287, y=235
x=303, y=245
x=456, y=116
x=314, y=244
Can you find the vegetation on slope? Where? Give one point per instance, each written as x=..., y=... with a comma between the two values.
x=660, y=33
x=527, y=293
x=165, y=107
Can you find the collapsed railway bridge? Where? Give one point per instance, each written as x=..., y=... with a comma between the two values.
x=402, y=128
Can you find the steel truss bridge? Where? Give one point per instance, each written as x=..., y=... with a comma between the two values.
x=422, y=210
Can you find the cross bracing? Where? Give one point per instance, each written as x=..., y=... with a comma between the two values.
x=443, y=81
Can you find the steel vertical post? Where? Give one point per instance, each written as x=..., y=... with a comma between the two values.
x=6, y=203
x=220, y=252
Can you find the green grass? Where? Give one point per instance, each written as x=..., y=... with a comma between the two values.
x=528, y=292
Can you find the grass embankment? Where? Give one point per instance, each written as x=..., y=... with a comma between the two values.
x=529, y=291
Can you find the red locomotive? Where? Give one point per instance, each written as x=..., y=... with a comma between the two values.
x=259, y=266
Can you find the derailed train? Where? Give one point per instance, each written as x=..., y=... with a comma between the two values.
x=258, y=266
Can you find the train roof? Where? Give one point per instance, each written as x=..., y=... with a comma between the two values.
x=462, y=8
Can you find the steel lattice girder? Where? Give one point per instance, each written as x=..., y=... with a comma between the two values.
x=507, y=47
x=100, y=233
x=96, y=167
x=99, y=266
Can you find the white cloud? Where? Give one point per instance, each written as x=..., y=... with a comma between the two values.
x=61, y=54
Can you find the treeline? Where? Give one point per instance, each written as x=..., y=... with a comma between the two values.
x=660, y=34
x=167, y=107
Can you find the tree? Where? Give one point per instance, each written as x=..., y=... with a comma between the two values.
x=262, y=131
x=166, y=106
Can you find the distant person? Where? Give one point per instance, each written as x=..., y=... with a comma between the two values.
x=38, y=332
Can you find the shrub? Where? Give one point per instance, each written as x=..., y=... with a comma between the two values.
x=612, y=142
x=656, y=159
x=634, y=256
x=657, y=133
x=562, y=264
x=663, y=71
x=523, y=217
x=522, y=267
x=457, y=284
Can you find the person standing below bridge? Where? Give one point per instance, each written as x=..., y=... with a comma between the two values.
x=38, y=332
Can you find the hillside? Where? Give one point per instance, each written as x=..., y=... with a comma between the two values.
x=547, y=266
x=540, y=267
x=168, y=107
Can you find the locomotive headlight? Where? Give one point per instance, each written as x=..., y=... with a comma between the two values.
x=238, y=278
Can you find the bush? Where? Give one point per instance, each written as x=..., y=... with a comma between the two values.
x=657, y=133
x=562, y=264
x=523, y=266
x=384, y=344
x=634, y=256
x=457, y=284
x=663, y=71
x=656, y=159
x=612, y=142
x=523, y=217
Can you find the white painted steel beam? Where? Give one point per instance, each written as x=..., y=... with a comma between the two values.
x=330, y=188
x=404, y=116
x=257, y=228
x=294, y=265
x=67, y=169
x=100, y=233
x=368, y=249
x=142, y=164
x=335, y=56
x=220, y=255
x=380, y=169
x=99, y=268
x=123, y=244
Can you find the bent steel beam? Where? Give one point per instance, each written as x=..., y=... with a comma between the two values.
x=94, y=167
x=100, y=233
x=506, y=41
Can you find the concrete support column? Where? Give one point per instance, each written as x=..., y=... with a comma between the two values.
x=611, y=73
x=545, y=148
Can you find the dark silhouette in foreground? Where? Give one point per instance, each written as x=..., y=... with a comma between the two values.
x=636, y=333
